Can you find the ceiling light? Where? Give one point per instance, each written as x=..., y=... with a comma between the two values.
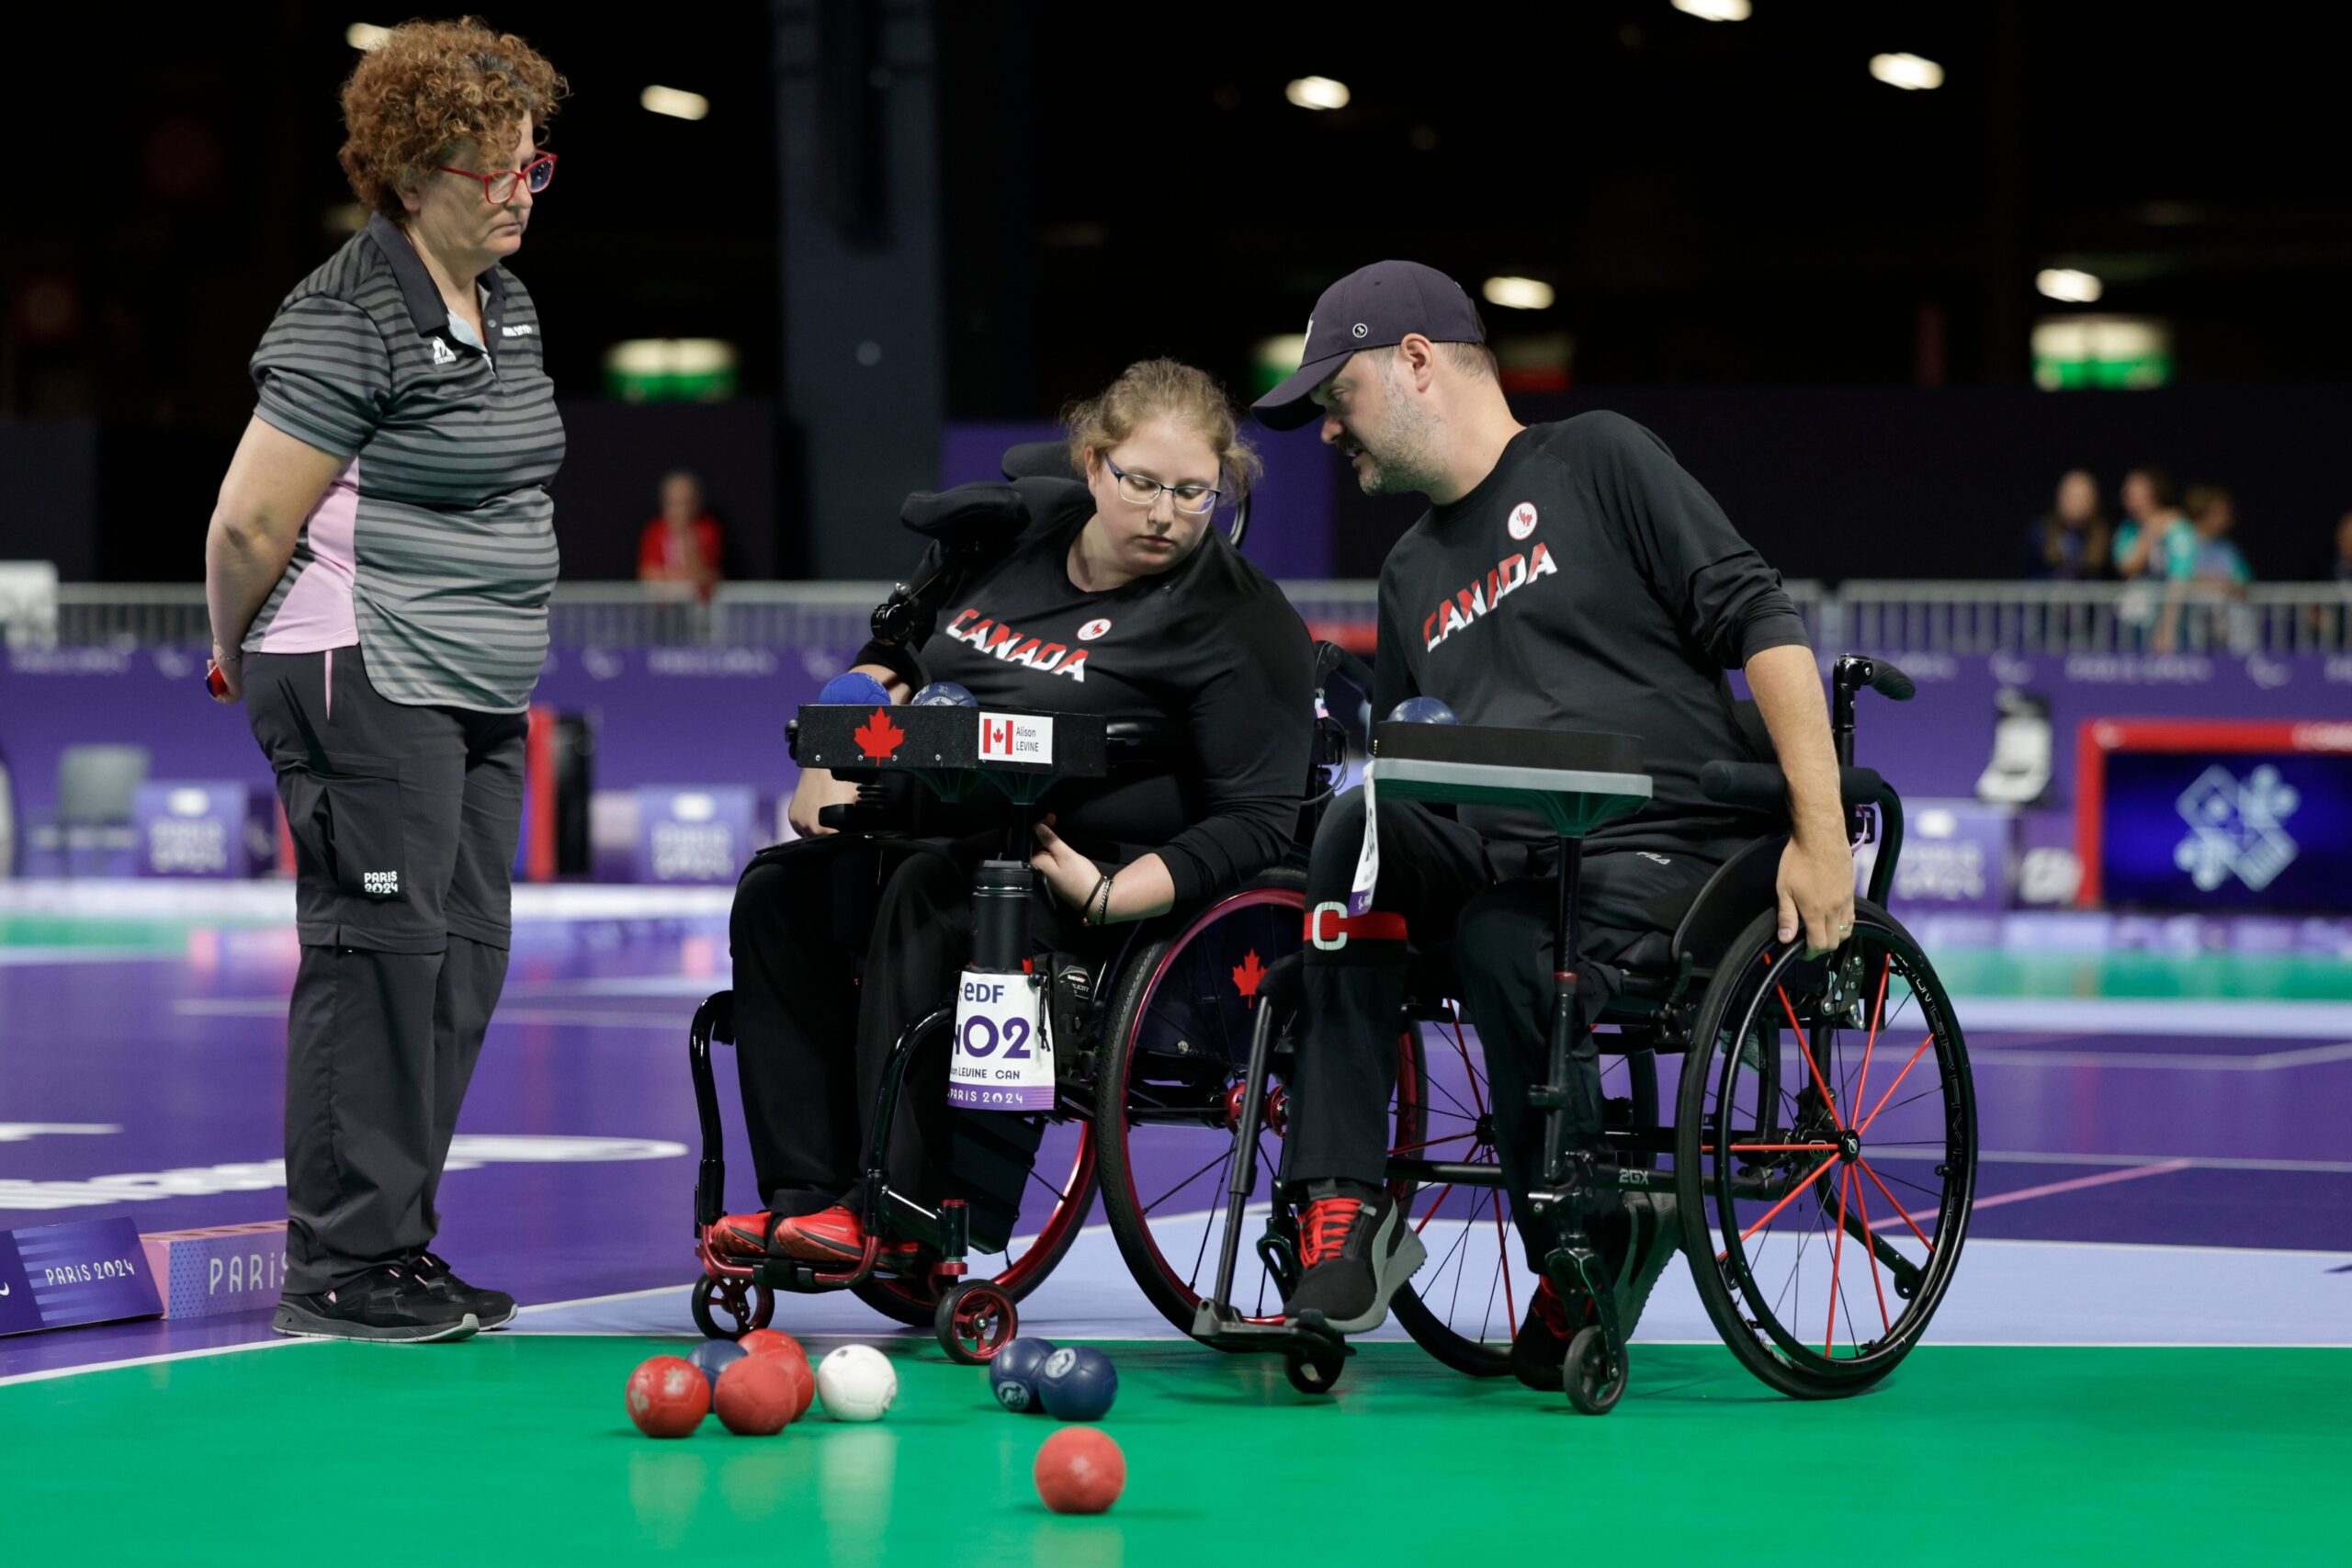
x=2066, y=283
x=1518, y=293
x=1907, y=72
x=365, y=36
x=1317, y=93
x=1714, y=10
x=671, y=101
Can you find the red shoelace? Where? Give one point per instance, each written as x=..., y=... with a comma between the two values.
x=1323, y=1230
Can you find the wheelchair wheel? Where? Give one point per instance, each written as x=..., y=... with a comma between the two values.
x=974, y=1321
x=1827, y=1117
x=1051, y=1217
x=1584, y=1374
x=728, y=1309
x=1168, y=1092
x=1469, y=1299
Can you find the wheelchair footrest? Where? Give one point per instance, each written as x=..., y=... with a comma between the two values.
x=1222, y=1328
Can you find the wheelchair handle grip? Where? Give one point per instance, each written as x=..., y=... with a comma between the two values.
x=1762, y=785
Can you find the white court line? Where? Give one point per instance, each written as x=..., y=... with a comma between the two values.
x=2050, y=1189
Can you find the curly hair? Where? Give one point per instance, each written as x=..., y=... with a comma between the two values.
x=1155, y=388
x=429, y=88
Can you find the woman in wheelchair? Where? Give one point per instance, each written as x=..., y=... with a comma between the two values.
x=1116, y=597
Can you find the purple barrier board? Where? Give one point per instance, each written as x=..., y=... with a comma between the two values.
x=219, y=1268
x=695, y=833
x=201, y=827
x=84, y=1271
x=1957, y=855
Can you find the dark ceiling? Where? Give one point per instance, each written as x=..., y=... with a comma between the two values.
x=1713, y=202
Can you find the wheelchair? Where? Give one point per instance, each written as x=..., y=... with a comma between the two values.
x=1825, y=1114
x=977, y=1256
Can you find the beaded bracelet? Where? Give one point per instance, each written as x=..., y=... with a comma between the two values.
x=1101, y=894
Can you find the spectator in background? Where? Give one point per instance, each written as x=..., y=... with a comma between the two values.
x=683, y=545
x=2210, y=560
x=2214, y=514
x=2156, y=540
x=2072, y=542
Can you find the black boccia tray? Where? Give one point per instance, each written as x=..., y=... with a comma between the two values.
x=1575, y=779
x=859, y=736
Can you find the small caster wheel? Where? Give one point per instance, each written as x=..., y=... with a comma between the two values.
x=974, y=1321
x=1583, y=1372
x=1311, y=1373
x=728, y=1309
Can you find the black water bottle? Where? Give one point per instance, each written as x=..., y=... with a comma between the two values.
x=1001, y=916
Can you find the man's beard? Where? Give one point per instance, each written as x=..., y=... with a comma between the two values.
x=1406, y=464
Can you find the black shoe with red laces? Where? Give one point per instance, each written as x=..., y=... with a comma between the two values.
x=1352, y=1254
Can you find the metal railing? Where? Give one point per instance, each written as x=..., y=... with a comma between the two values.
x=1959, y=618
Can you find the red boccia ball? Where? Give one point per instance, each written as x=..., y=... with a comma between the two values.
x=1080, y=1471
x=756, y=1396
x=770, y=1342
x=668, y=1396
x=804, y=1382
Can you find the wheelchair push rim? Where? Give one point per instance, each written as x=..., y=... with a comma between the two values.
x=1826, y=1154
x=1169, y=1093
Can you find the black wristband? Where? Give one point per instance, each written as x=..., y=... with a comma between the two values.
x=1099, y=904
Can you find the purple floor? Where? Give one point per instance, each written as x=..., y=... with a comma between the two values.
x=2199, y=1140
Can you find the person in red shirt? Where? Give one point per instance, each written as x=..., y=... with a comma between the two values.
x=683, y=544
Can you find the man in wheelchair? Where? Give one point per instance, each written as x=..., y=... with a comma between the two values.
x=1113, y=596
x=1567, y=576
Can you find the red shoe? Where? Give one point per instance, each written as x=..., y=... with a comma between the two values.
x=836, y=1235
x=741, y=1236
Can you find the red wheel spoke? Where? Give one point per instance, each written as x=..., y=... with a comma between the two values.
x=1906, y=1073
x=1450, y=1138
x=1826, y=1098
x=1776, y=1148
x=1836, y=1257
x=1862, y=1208
x=1770, y=1213
x=1898, y=1207
x=1435, y=1204
x=1502, y=1246
x=1878, y=1016
x=1478, y=1100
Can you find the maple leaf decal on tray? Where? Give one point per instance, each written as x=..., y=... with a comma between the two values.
x=877, y=737
x=1246, y=973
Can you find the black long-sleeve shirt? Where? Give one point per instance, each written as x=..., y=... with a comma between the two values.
x=1587, y=582
x=1209, y=653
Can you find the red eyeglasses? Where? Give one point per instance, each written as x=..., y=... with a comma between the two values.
x=498, y=187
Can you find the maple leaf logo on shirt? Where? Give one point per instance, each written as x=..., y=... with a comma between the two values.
x=1246, y=975
x=877, y=737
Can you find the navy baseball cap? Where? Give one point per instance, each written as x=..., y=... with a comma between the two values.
x=1373, y=306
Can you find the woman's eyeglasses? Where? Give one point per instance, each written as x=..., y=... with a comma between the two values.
x=498, y=187
x=1193, y=499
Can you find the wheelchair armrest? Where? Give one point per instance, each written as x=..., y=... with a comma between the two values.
x=1762, y=785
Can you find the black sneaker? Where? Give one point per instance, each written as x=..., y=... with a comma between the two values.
x=491, y=1309
x=1353, y=1254
x=1539, y=1352
x=387, y=1305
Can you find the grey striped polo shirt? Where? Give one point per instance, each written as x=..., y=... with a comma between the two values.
x=435, y=548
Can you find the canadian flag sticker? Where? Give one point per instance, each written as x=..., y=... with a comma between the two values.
x=1093, y=629
x=1522, y=520
x=1015, y=737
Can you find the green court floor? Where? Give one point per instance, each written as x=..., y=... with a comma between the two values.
x=515, y=1450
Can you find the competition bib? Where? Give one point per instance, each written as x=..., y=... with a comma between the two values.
x=1368, y=857
x=1003, y=1060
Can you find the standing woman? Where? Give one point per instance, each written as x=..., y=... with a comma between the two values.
x=378, y=570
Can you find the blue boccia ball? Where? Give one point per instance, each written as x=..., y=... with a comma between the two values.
x=714, y=1357
x=1421, y=710
x=1013, y=1375
x=945, y=694
x=854, y=688
x=1077, y=1383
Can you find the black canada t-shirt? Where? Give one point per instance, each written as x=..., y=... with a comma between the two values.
x=1587, y=583
x=1209, y=654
